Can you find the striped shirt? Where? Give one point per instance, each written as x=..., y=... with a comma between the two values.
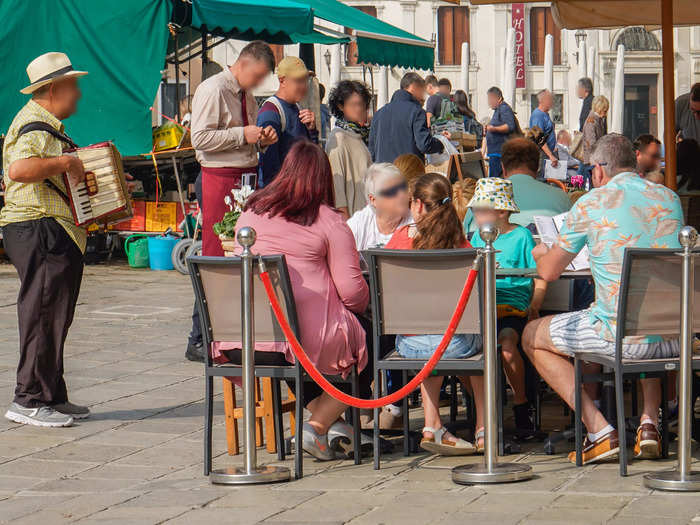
x=35, y=200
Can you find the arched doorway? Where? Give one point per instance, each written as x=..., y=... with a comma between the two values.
x=641, y=90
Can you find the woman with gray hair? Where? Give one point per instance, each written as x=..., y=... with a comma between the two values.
x=386, y=210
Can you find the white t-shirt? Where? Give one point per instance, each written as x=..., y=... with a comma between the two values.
x=364, y=227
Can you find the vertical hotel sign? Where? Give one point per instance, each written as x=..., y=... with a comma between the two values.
x=518, y=17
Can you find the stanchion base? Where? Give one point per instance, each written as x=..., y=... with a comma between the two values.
x=501, y=473
x=239, y=476
x=671, y=480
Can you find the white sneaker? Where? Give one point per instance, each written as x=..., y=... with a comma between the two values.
x=41, y=417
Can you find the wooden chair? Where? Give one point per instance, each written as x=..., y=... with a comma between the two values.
x=264, y=413
x=415, y=292
x=649, y=304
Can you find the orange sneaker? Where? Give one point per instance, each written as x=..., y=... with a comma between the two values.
x=648, y=445
x=606, y=447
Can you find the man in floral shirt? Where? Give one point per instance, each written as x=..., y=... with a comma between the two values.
x=623, y=211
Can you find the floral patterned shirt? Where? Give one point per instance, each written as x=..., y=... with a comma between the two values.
x=627, y=212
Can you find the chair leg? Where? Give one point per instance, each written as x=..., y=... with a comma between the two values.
x=622, y=434
x=299, y=420
x=231, y=422
x=375, y=431
x=258, y=420
x=664, y=415
x=453, y=399
x=269, y=414
x=356, y=434
x=292, y=415
x=277, y=418
x=578, y=424
x=406, y=421
x=208, y=416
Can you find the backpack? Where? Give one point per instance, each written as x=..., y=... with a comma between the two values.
x=278, y=105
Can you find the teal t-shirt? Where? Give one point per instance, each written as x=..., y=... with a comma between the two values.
x=514, y=251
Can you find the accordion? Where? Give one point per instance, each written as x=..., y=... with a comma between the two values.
x=103, y=196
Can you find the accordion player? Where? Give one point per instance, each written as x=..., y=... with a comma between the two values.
x=103, y=196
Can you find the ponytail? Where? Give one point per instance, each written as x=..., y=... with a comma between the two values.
x=440, y=227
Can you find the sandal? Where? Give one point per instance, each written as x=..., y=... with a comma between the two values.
x=479, y=439
x=438, y=445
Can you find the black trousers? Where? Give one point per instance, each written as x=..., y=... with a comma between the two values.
x=50, y=268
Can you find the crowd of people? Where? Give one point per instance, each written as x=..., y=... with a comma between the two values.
x=369, y=189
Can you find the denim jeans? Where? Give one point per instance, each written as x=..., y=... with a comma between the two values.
x=423, y=346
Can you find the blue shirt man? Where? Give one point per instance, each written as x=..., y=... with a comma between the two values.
x=540, y=118
x=282, y=112
x=497, y=131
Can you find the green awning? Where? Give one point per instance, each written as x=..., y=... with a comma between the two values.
x=377, y=42
x=122, y=46
x=270, y=20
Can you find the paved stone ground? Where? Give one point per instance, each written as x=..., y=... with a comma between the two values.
x=139, y=458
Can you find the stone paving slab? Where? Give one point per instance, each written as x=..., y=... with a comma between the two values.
x=138, y=460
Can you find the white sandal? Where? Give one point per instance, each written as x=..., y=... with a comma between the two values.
x=436, y=445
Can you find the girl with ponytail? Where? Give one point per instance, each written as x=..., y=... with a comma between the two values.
x=437, y=226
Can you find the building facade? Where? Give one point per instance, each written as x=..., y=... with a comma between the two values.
x=485, y=29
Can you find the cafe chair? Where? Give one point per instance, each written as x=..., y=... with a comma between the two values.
x=649, y=304
x=217, y=287
x=415, y=292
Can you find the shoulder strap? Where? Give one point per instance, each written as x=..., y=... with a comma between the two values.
x=283, y=118
x=48, y=128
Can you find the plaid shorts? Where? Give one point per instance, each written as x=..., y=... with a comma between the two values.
x=572, y=333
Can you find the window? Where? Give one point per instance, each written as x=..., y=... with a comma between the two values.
x=541, y=25
x=351, y=48
x=168, y=99
x=278, y=51
x=557, y=111
x=453, y=30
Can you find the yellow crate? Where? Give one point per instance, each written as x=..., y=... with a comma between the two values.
x=167, y=136
x=161, y=217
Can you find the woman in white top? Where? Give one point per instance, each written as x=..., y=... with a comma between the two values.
x=387, y=209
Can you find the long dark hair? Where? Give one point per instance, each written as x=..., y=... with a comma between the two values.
x=303, y=184
x=440, y=227
x=462, y=102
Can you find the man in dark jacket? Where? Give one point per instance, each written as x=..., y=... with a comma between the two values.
x=584, y=91
x=401, y=126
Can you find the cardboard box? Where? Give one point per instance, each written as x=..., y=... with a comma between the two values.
x=137, y=223
x=160, y=217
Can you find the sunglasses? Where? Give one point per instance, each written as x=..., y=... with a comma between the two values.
x=393, y=190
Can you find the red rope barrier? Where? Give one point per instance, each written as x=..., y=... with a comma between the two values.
x=399, y=394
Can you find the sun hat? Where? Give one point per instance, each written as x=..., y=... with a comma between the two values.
x=494, y=193
x=292, y=67
x=48, y=68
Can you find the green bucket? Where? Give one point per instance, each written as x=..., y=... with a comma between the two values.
x=136, y=248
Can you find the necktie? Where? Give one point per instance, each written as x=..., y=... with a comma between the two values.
x=244, y=108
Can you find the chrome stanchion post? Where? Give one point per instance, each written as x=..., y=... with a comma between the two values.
x=251, y=473
x=491, y=471
x=683, y=479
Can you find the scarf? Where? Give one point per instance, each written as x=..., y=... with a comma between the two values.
x=361, y=130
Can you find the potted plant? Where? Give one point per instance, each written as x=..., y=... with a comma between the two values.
x=226, y=228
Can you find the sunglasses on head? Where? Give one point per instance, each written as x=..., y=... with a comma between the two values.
x=393, y=190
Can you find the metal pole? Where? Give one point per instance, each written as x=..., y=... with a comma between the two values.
x=491, y=471
x=251, y=473
x=683, y=479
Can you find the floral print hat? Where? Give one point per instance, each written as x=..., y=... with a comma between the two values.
x=494, y=193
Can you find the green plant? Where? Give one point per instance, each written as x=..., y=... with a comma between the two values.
x=227, y=226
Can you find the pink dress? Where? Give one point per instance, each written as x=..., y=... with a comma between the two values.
x=324, y=267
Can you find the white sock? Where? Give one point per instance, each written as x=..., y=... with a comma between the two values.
x=595, y=437
x=647, y=420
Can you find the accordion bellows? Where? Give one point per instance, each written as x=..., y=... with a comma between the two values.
x=103, y=196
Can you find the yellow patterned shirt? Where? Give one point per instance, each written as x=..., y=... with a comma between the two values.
x=33, y=201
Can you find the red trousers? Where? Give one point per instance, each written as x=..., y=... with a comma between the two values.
x=217, y=183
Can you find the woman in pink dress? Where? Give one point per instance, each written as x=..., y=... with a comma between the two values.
x=295, y=215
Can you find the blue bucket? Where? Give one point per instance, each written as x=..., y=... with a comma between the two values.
x=159, y=250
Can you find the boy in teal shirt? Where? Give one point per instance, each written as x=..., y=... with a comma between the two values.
x=518, y=298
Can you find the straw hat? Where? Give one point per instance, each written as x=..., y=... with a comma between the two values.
x=48, y=68
x=494, y=193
